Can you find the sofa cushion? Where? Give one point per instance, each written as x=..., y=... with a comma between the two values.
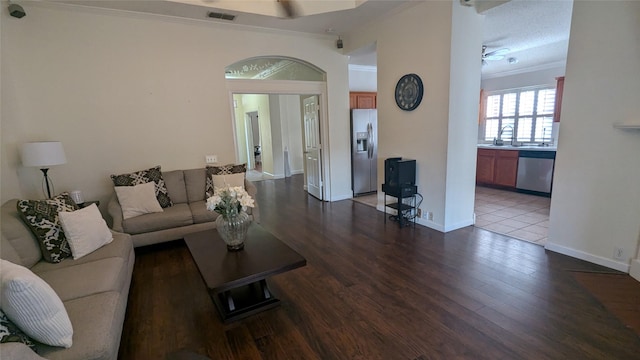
x=227, y=180
x=137, y=200
x=176, y=186
x=221, y=170
x=15, y=232
x=154, y=175
x=41, y=216
x=34, y=306
x=121, y=247
x=91, y=278
x=86, y=230
x=195, y=180
x=9, y=332
x=97, y=321
x=175, y=216
x=200, y=213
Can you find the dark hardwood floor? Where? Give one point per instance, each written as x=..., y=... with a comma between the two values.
x=371, y=290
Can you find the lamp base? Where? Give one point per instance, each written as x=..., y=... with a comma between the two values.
x=45, y=182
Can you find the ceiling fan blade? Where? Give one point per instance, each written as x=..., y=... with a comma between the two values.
x=289, y=8
x=493, y=57
x=498, y=52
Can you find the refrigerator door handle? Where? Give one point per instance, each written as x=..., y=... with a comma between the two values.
x=370, y=141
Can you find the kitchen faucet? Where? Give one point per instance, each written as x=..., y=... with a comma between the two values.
x=499, y=141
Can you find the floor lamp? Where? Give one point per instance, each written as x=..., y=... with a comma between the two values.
x=43, y=154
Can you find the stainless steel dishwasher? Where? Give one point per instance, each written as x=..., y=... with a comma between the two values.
x=535, y=171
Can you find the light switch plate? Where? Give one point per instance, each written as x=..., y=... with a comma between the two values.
x=211, y=159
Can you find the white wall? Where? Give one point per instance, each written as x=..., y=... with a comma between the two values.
x=463, y=116
x=595, y=206
x=292, y=131
x=126, y=91
x=363, y=78
x=422, y=134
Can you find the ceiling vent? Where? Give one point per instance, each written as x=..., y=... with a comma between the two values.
x=217, y=15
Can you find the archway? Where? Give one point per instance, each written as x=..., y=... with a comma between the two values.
x=275, y=88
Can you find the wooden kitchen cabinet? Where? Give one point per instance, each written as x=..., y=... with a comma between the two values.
x=485, y=166
x=362, y=100
x=506, y=168
x=497, y=167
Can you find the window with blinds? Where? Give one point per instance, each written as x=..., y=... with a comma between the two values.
x=524, y=115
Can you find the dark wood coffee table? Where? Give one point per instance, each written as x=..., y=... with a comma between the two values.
x=237, y=281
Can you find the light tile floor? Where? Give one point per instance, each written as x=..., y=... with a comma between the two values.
x=522, y=216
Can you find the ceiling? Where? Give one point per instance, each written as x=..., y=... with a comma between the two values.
x=536, y=32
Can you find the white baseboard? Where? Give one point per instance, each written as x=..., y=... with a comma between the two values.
x=634, y=271
x=296, y=172
x=341, y=197
x=612, y=264
x=459, y=225
x=427, y=223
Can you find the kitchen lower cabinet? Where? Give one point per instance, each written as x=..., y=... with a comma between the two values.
x=485, y=166
x=497, y=167
x=506, y=170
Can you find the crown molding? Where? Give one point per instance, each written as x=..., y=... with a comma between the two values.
x=363, y=68
x=547, y=66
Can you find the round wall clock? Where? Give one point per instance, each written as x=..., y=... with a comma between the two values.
x=409, y=92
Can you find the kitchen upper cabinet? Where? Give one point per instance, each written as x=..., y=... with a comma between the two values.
x=497, y=167
x=558, y=103
x=362, y=100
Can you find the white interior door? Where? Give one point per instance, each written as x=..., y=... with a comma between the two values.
x=312, y=146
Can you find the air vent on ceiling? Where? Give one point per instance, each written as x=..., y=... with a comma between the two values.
x=217, y=15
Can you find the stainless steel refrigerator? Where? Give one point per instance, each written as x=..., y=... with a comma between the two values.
x=364, y=151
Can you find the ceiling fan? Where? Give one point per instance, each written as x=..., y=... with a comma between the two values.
x=289, y=8
x=493, y=55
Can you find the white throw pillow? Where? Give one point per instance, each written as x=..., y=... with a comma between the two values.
x=33, y=306
x=138, y=200
x=85, y=230
x=233, y=180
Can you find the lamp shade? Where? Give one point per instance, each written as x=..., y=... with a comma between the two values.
x=45, y=153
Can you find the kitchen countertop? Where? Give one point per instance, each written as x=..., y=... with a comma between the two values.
x=523, y=147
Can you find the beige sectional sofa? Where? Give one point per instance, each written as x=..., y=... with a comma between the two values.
x=94, y=290
x=188, y=214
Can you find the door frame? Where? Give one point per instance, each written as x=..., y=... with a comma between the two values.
x=289, y=87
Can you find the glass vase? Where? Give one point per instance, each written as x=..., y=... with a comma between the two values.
x=233, y=229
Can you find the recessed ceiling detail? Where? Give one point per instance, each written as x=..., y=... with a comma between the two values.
x=272, y=8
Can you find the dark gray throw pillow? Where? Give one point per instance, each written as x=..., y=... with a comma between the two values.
x=145, y=176
x=9, y=332
x=41, y=216
x=221, y=170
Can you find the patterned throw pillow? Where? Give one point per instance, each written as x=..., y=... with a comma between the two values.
x=9, y=332
x=221, y=170
x=41, y=216
x=145, y=176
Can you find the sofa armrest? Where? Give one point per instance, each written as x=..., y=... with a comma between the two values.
x=115, y=211
x=253, y=191
x=18, y=351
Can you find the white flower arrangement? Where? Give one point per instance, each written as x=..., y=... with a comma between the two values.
x=229, y=201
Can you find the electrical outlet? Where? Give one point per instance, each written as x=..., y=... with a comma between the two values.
x=419, y=213
x=618, y=253
x=429, y=216
x=211, y=159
